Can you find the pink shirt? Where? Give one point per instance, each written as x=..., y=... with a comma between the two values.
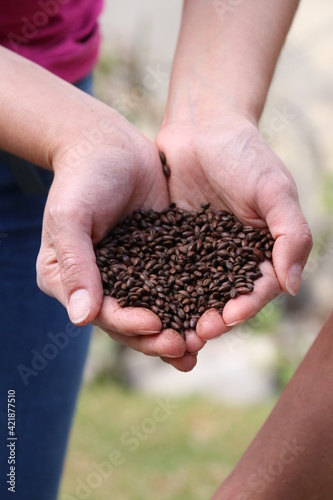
x=60, y=35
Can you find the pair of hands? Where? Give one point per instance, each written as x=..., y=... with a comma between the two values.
x=222, y=160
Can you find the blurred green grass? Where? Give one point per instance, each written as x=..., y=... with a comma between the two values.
x=124, y=448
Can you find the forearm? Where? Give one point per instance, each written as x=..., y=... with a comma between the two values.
x=40, y=112
x=226, y=55
x=291, y=457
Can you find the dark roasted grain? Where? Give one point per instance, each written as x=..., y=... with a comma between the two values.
x=178, y=264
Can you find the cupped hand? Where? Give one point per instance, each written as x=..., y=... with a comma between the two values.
x=102, y=174
x=225, y=160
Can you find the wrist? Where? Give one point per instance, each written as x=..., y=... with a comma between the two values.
x=203, y=103
x=96, y=127
x=43, y=116
x=234, y=54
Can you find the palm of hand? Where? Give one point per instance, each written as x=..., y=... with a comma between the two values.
x=79, y=212
x=228, y=164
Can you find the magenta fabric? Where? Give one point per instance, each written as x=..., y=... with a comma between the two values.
x=60, y=35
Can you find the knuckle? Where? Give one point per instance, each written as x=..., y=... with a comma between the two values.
x=41, y=282
x=40, y=274
x=43, y=279
x=55, y=213
x=69, y=267
x=305, y=236
x=60, y=213
x=286, y=186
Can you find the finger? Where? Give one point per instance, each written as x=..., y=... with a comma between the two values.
x=289, y=228
x=69, y=228
x=127, y=321
x=211, y=325
x=290, y=253
x=48, y=279
x=193, y=342
x=185, y=363
x=80, y=277
x=246, y=306
x=167, y=343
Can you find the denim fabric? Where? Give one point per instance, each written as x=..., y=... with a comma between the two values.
x=42, y=354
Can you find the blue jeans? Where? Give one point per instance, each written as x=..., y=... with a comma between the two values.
x=42, y=354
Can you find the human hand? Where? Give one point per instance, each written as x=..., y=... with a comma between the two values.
x=223, y=159
x=93, y=189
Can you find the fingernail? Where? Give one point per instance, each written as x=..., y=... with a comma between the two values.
x=294, y=279
x=235, y=323
x=149, y=332
x=169, y=356
x=79, y=306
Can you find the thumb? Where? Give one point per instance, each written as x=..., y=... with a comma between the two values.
x=80, y=279
x=79, y=275
x=293, y=241
x=278, y=204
